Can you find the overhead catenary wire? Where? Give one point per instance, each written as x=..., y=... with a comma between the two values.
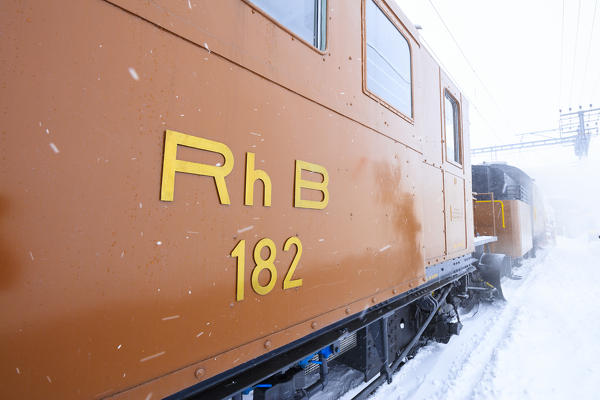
x=491, y=96
x=596, y=87
x=589, y=50
x=440, y=63
x=575, y=53
x=562, y=50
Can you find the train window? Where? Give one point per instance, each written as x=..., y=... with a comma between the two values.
x=452, y=128
x=305, y=18
x=388, y=60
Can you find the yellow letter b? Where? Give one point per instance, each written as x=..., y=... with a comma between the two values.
x=300, y=183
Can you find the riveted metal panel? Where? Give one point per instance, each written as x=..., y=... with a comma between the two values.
x=107, y=290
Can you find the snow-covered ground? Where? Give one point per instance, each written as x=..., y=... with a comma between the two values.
x=543, y=343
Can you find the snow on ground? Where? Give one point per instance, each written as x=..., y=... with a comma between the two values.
x=541, y=344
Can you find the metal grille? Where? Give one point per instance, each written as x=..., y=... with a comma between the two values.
x=345, y=344
x=518, y=192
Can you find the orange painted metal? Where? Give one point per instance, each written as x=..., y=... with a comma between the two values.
x=105, y=290
x=514, y=235
x=538, y=216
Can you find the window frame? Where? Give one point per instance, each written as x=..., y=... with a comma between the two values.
x=319, y=27
x=395, y=21
x=458, y=123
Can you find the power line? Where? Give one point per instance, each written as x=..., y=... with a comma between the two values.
x=596, y=87
x=562, y=49
x=575, y=55
x=441, y=64
x=537, y=133
x=587, y=61
x=576, y=127
x=467, y=59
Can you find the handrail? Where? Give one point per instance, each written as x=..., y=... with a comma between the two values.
x=501, y=206
x=491, y=194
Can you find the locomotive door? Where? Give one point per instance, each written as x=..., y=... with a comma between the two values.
x=454, y=166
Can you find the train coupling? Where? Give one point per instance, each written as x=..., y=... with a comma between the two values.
x=492, y=267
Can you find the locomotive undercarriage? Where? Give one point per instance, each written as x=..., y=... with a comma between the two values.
x=376, y=342
x=385, y=345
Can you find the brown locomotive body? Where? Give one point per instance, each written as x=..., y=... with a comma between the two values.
x=540, y=218
x=512, y=225
x=510, y=206
x=151, y=150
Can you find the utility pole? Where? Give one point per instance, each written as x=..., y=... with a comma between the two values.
x=575, y=127
x=583, y=123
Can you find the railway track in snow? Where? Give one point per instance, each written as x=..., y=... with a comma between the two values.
x=453, y=370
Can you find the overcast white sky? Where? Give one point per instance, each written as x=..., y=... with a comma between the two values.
x=523, y=64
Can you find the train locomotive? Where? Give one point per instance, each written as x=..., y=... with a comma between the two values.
x=509, y=205
x=204, y=199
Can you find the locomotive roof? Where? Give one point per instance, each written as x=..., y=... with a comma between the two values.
x=515, y=173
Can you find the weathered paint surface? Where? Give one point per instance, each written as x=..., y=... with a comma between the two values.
x=104, y=288
x=513, y=227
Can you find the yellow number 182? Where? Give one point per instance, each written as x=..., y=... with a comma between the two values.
x=239, y=252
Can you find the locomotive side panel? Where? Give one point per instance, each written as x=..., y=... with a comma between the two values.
x=539, y=216
x=454, y=195
x=429, y=114
x=469, y=212
x=239, y=31
x=456, y=165
x=116, y=287
x=525, y=219
x=452, y=126
x=428, y=117
x=512, y=225
x=449, y=218
x=434, y=222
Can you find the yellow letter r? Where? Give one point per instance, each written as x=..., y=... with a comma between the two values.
x=171, y=164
